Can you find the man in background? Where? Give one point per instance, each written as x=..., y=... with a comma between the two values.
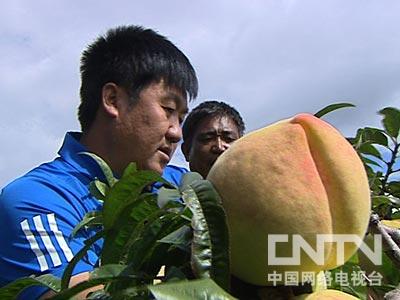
x=208, y=131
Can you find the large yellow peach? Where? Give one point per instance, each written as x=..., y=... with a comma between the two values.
x=296, y=177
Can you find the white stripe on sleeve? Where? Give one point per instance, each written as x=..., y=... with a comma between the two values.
x=60, y=238
x=34, y=245
x=55, y=258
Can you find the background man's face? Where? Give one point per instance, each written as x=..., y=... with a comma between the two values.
x=213, y=136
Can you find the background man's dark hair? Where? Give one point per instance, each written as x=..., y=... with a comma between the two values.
x=209, y=109
x=131, y=57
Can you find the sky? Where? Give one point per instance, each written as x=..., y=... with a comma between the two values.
x=271, y=59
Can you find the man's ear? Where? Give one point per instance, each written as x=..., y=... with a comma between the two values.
x=109, y=99
x=185, y=150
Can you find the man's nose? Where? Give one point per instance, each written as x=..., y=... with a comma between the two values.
x=220, y=145
x=174, y=133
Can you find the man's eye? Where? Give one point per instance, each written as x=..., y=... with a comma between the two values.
x=205, y=139
x=230, y=139
x=168, y=109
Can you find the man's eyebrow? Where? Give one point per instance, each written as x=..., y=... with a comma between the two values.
x=214, y=131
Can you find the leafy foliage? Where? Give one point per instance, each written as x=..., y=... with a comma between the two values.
x=195, y=289
x=379, y=150
x=181, y=229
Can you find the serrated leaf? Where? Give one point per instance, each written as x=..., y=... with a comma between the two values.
x=180, y=237
x=390, y=273
x=11, y=290
x=93, y=218
x=174, y=274
x=331, y=108
x=394, y=188
x=98, y=189
x=370, y=162
x=380, y=200
x=111, y=180
x=369, y=150
x=374, y=136
x=189, y=178
x=126, y=190
x=81, y=253
x=166, y=195
x=357, y=140
x=135, y=212
x=396, y=215
x=148, y=234
x=101, y=275
x=391, y=121
x=210, y=244
x=350, y=287
x=142, y=251
x=189, y=290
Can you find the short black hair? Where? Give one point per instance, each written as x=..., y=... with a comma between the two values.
x=209, y=109
x=132, y=57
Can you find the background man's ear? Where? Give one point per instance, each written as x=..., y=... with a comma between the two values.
x=109, y=99
x=185, y=150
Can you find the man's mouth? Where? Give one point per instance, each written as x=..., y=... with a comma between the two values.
x=167, y=151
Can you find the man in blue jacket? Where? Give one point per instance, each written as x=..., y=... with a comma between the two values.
x=134, y=89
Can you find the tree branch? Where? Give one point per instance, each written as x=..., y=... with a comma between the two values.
x=390, y=238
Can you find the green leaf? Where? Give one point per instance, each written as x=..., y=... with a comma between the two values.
x=374, y=136
x=394, y=188
x=101, y=275
x=389, y=271
x=352, y=287
x=331, y=108
x=210, y=244
x=396, y=215
x=104, y=167
x=126, y=191
x=391, y=121
x=380, y=200
x=93, y=218
x=136, y=292
x=369, y=150
x=189, y=290
x=166, y=195
x=180, y=237
x=70, y=267
x=174, y=274
x=142, y=251
x=135, y=213
x=358, y=139
x=189, y=178
x=370, y=162
x=98, y=189
x=146, y=237
x=13, y=289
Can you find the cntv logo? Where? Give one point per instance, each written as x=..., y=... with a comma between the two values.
x=318, y=255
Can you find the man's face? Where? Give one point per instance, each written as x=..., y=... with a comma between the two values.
x=213, y=136
x=148, y=131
